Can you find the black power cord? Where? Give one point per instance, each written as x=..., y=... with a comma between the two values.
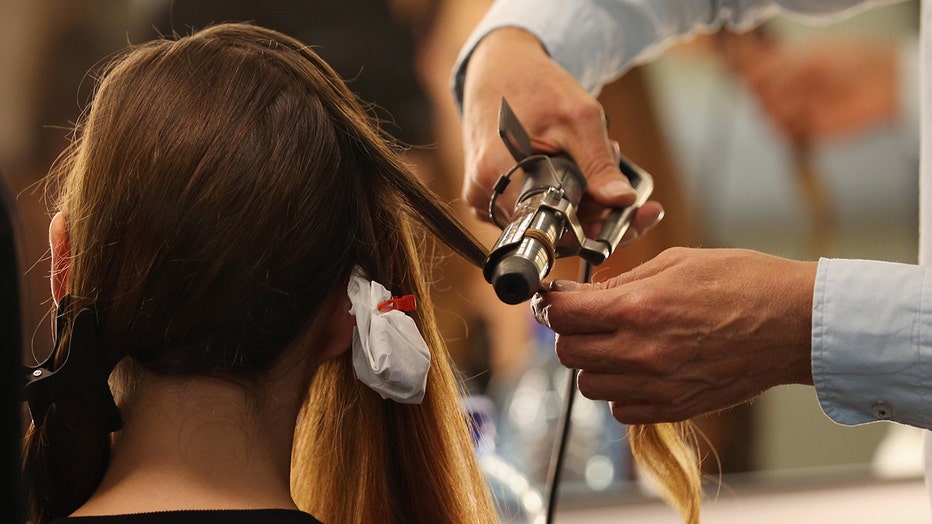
x=562, y=440
x=559, y=448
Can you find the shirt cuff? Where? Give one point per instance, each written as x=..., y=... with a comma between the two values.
x=871, y=357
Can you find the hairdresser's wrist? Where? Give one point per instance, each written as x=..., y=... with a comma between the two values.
x=488, y=52
x=798, y=284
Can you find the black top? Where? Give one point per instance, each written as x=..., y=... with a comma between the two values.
x=207, y=516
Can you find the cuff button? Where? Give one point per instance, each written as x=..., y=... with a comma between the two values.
x=882, y=410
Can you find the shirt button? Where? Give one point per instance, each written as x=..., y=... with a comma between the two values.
x=882, y=410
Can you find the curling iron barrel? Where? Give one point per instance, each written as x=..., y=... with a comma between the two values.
x=545, y=210
x=526, y=250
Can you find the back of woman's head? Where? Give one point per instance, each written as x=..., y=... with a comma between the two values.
x=219, y=187
x=218, y=174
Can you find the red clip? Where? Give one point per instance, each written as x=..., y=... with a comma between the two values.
x=402, y=303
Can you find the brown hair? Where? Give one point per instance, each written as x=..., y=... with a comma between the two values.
x=219, y=187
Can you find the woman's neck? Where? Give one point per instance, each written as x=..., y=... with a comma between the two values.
x=199, y=443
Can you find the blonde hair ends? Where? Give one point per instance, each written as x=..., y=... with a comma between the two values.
x=666, y=459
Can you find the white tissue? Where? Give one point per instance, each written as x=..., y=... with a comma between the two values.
x=389, y=353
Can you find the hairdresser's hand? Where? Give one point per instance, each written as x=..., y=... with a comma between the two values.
x=558, y=114
x=690, y=332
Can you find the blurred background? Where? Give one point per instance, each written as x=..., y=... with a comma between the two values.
x=731, y=169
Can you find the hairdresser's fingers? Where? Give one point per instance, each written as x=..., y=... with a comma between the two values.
x=478, y=186
x=637, y=399
x=645, y=219
x=682, y=388
x=613, y=305
x=592, y=216
x=582, y=133
x=649, y=413
x=641, y=399
x=599, y=353
x=630, y=350
x=570, y=308
x=652, y=412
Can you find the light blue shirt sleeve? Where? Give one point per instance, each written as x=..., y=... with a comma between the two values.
x=872, y=341
x=598, y=40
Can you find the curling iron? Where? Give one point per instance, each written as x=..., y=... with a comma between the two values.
x=544, y=212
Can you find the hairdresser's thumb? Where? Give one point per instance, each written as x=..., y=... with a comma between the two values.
x=610, y=188
x=598, y=159
x=608, y=185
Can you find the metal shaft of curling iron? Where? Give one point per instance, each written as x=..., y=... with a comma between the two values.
x=517, y=275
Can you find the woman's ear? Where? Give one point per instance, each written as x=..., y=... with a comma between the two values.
x=60, y=245
x=338, y=330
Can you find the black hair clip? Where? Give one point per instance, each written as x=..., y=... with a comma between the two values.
x=79, y=378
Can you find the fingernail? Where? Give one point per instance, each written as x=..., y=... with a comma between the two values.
x=617, y=188
x=564, y=285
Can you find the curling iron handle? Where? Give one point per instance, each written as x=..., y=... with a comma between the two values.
x=616, y=225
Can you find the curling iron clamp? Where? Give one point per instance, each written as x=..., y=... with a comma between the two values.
x=546, y=210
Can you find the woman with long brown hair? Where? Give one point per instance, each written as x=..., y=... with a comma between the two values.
x=222, y=194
